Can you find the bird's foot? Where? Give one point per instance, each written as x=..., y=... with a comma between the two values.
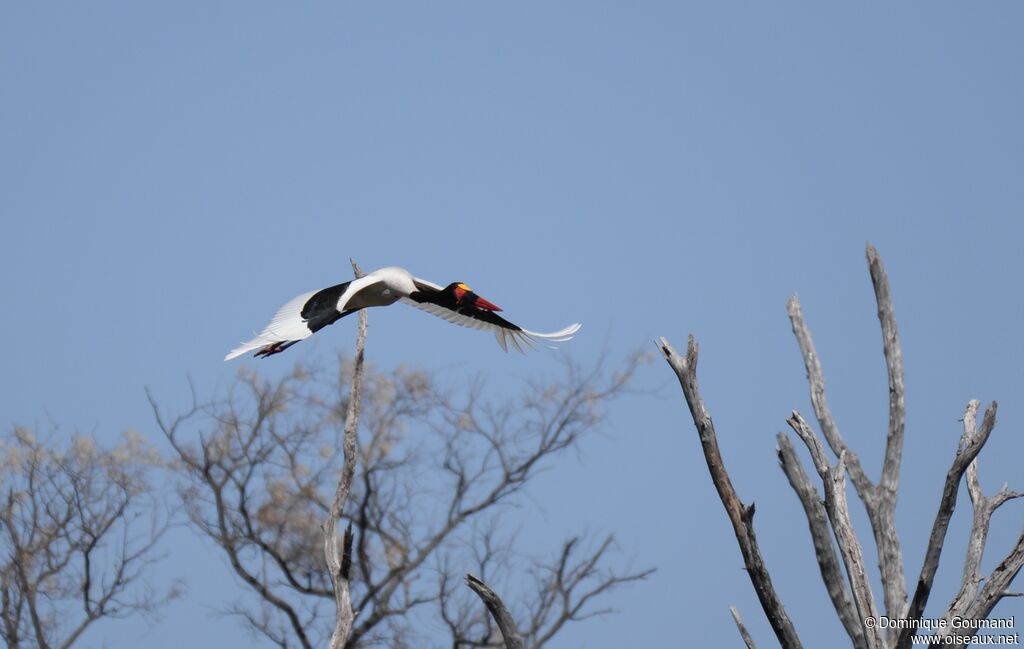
x=273, y=348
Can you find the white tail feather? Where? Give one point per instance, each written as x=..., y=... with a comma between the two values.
x=560, y=336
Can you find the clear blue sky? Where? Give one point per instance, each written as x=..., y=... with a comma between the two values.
x=170, y=174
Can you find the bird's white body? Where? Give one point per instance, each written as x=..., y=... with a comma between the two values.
x=305, y=314
x=382, y=287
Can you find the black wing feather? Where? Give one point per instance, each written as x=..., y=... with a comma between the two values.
x=446, y=300
x=322, y=309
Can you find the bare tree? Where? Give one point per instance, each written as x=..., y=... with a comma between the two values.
x=438, y=472
x=845, y=575
x=78, y=528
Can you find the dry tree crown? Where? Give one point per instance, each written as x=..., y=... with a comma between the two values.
x=844, y=575
x=423, y=478
x=79, y=526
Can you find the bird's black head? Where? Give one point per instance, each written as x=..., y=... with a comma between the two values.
x=464, y=296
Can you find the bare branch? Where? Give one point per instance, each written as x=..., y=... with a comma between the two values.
x=567, y=589
x=816, y=381
x=838, y=512
x=968, y=450
x=969, y=602
x=499, y=612
x=740, y=515
x=997, y=586
x=821, y=536
x=335, y=563
x=889, y=481
x=983, y=508
x=849, y=547
x=747, y=640
x=995, y=589
x=890, y=555
x=880, y=499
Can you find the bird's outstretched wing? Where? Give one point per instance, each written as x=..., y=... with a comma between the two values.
x=304, y=315
x=286, y=325
x=430, y=299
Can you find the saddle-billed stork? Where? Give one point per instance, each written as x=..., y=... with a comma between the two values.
x=310, y=312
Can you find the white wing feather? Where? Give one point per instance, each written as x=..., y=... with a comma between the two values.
x=357, y=285
x=423, y=283
x=287, y=324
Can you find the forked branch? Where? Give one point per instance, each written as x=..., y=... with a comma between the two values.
x=879, y=499
x=972, y=601
x=834, y=481
x=969, y=449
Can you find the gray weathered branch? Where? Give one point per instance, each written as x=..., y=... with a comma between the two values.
x=834, y=481
x=890, y=555
x=821, y=536
x=338, y=565
x=967, y=604
x=747, y=640
x=879, y=499
x=983, y=510
x=969, y=449
x=997, y=586
x=853, y=556
x=502, y=616
x=741, y=516
x=894, y=367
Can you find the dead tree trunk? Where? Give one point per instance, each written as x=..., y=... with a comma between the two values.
x=340, y=566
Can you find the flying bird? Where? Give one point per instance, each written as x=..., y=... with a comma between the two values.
x=310, y=312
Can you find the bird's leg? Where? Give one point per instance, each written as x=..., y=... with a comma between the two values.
x=274, y=348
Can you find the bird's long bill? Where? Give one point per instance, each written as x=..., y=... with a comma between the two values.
x=481, y=303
